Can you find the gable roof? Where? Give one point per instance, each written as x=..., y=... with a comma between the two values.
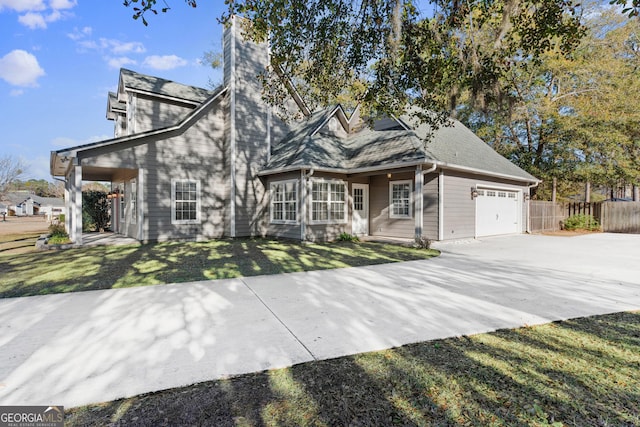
x=307, y=146
x=143, y=83
x=20, y=197
x=114, y=106
x=60, y=160
x=457, y=146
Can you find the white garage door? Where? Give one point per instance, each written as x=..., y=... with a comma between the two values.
x=497, y=212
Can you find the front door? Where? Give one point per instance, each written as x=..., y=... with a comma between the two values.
x=360, y=197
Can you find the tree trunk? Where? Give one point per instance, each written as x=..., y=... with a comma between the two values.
x=554, y=190
x=587, y=192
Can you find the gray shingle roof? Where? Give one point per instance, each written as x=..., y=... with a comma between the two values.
x=304, y=147
x=457, y=145
x=452, y=146
x=20, y=197
x=145, y=83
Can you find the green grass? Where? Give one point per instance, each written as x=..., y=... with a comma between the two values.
x=105, y=267
x=581, y=372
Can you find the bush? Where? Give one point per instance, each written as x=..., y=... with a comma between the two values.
x=96, y=210
x=57, y=234
x=581, y=222
x=346, y=237
x=422, y=243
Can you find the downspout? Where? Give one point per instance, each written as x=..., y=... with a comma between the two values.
x=528, y=231
x=441, y=205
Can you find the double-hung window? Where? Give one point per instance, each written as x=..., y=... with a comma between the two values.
x=185, y=201
x=328, y=201
x=400, y=199
x=284, y=202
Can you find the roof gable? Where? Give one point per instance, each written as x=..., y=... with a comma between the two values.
x=142, y=83
x=391, y=142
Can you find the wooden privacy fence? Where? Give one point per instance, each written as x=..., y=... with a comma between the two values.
x=620, y=217
x=614, y=217
x=545, y=216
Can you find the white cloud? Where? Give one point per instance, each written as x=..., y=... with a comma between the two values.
x=16, y=92
x=118, y=47
x=37, y=14
x=120, y=61
x=166, y=62
x=80, y=33
x=113, y=46
x=32, y=20
x=20, y=68
x=22, y=5
x=62, y=4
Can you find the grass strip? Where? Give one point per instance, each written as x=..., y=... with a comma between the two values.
x=106, y=267
x=580, y=372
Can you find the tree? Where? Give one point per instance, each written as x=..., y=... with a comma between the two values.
x=570, y=118
x=11, y=169
x=394, y=54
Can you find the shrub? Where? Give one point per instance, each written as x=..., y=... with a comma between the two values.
x=346, y=237
x=96, y=210
x=581, y=222
x=58, y=234
x=422, y=243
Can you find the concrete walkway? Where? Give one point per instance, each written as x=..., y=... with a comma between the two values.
x=85, y=347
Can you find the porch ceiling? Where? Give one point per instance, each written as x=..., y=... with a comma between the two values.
x=92, y=173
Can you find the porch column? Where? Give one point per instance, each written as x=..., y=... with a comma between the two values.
x=67, y=204
x=418, y=200
x=303, y=206
x=76, y=205
x=140, y=196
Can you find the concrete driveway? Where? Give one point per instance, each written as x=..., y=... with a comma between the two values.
x=75, y=349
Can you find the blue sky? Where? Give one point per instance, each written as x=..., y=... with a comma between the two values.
x=59, y=59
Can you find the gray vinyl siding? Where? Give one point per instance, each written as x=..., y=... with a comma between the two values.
x=459, y=208
x=198, y=153
x=153, y=113
x=380, y=223
x=430, y=207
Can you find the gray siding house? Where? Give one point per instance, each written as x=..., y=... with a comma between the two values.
x=187, y=163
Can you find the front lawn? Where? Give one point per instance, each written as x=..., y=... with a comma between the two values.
x=105, y=267
x=581, y=372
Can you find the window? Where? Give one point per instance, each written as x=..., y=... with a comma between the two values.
x=284, y=201
x=121, y=192
x=328, y=201
x=400, y=198
x=185, y=201
x=134, y=201
x=358, y=199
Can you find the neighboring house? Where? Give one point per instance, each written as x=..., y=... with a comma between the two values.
x=23, y=203
x=187, y=163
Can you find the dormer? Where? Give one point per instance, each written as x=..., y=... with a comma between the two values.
x=153, y=103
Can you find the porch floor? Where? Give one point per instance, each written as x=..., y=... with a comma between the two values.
x=387, y=239
x=107, y=238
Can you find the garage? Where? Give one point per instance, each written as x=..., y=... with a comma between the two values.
x=498, y=211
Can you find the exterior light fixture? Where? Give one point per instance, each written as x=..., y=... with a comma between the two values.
x=474, y=193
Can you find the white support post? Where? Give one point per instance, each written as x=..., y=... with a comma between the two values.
x=140, y=203
x=303, y=206
x=441, y=205
x=418, y=201
x=75, y=190
x=67, y=204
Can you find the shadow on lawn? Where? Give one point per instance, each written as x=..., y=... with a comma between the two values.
x=105, y=267
x=506, y=378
